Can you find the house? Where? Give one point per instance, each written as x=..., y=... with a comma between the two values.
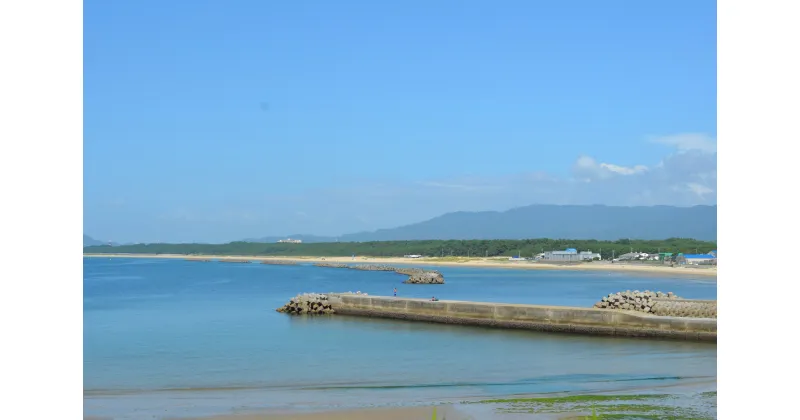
x=569, y=254
x=699, y=258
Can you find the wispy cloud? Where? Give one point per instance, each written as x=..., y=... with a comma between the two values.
x=688, y=141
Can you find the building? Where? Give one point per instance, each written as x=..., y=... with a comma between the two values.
x=699, y=258
x=630, y=256
x=412, y=256
x=290, y=241
x=570, y=254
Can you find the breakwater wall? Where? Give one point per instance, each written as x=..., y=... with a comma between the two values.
x=594, y=321
x=415, y=275
x=278, y=262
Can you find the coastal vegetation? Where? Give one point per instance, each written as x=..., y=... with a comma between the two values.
x=453, y=249
x=629, y=407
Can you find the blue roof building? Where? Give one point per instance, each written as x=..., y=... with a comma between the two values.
x=698, y=256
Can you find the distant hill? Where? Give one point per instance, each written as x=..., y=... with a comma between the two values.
x=308, y=239
x=89, y=241
x=554, y=221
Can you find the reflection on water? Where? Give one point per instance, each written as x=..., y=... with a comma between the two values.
x=185, y=332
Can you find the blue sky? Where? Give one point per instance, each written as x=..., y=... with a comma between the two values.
x=216, y=121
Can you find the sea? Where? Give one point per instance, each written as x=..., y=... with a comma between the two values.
x=167, y=338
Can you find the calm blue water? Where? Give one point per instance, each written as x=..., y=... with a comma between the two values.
x=170, y=338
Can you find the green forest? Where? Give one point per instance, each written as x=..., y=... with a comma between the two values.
x=432, y=248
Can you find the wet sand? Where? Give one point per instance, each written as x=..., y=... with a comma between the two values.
x=602, y=266
x=399, y=413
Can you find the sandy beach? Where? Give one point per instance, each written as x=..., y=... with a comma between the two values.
x=661, y=270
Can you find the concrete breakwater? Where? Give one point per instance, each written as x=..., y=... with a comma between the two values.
x=278, y=262
x=658, y=303
x=332, y=265
x=595, y=321
x=415, y=275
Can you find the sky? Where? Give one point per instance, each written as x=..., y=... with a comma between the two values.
x=213, y=121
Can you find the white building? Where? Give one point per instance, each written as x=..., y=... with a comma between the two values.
x=570, y=254
x=290, y=241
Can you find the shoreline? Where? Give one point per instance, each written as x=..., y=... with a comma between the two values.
x=385, y=413
x=600, y=266
x=562, y=406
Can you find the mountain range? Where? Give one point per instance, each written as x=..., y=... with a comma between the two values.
x=547, y=221
x=89, y=241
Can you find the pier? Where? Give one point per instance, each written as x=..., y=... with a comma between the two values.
x=596, y=321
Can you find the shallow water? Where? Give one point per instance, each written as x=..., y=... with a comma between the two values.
x=170, y=338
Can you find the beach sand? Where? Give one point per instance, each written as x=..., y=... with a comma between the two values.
x=601, y=266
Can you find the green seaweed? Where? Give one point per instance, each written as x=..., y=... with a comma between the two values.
x=574, y=399
x=605, y=407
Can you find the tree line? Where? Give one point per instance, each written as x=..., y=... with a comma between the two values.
x=429, y=248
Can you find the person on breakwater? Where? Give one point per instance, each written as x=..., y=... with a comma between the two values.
x=395, y=292
x=433, y=299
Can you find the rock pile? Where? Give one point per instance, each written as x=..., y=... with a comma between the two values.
x=658, y=303
x=633, y=301
x=332, y=265
x=425, y=277
x=307, y=304
x=685, y=308
x=278, y=262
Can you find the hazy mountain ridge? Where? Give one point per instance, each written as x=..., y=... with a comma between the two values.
x=89, y=241
x=537, y=221
x=555, y=221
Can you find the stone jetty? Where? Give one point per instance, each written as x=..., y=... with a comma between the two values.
x=278, y=262
x=658, y=303
x=415, y=275
x=373, y=267
x=199, y=259
x=592, y=321
x=307, y=304
x=230, y=260
x=331, y=265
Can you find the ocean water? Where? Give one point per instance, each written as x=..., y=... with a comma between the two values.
x=171, y=338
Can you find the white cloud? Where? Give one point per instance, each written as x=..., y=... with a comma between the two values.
x=689, y=141
x=622, y=170
x=587, y=169
x=699, y=189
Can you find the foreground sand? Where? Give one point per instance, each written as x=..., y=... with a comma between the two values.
x=458, y=262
